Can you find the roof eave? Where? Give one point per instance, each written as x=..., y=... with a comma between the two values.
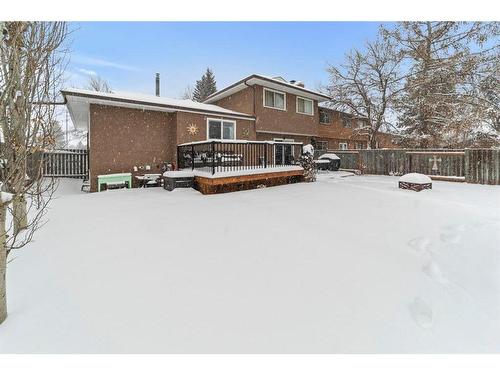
x=66, y=93
x=223, y=93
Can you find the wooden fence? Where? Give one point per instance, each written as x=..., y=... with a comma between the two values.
x=71, y=163
x=471, y=165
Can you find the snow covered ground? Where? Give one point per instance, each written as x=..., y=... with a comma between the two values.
x=346, y=264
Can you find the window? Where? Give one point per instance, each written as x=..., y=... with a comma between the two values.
x=361, y=124
x=274, y=99
x=342, y=146
x=360, y=145
x=221, y=129
x=346, y=121
x=322, y=145
x=324, y=117
x=305, y=106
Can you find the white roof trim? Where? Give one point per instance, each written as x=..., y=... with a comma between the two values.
x=78, y=103
x=269, y=83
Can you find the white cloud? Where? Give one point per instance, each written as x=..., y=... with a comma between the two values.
x=92, y=61
x=87, y=72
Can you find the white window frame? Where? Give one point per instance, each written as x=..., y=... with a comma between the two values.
x=326, y=113
x=275, y=92
x=325, y=143
x=283, y=141
x=357, y=145
x=343, y=146
x=297, y=106
x=221, y=120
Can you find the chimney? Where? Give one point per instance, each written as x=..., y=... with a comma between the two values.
x=297, y=83
x=157, y=84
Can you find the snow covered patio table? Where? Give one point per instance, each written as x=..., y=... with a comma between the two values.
x=247, y=272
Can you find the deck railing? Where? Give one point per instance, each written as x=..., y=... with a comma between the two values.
x=214, y=156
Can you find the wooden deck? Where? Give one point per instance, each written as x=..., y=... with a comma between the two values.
x=216, y=185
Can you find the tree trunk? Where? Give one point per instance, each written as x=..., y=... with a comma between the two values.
x=3, y=264
x=20, y=213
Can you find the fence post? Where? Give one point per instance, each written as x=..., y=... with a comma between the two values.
x=467, y=174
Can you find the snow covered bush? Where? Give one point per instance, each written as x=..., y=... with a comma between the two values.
x=307, y=162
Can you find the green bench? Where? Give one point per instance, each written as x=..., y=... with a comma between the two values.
x=114, y=181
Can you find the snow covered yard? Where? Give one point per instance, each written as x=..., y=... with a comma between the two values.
x=338, y=266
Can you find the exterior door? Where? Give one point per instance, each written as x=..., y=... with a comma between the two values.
x=283, y=154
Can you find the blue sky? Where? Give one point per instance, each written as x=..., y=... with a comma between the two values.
x=128, y=54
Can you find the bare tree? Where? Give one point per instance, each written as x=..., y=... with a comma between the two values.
x=188, y=93
x=440, y=102
x=32, y=62
x=366, y=85
x=96, y=83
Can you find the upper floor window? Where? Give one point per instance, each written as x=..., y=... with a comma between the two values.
x=322, y=145
x=274, y=99
x=361, y=123
x=342, y=146
x=324, y=117
x=346, y=121
x=221, y=129
x=360, y=145
x=305, y=106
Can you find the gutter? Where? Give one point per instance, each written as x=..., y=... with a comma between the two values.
x=256, y=76
x=158, y=105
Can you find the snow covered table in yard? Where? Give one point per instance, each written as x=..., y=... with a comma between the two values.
x=415, y=182
x=151, y=179
x=174, y=179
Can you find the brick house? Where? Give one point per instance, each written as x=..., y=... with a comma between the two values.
x=341, y=131
x=134, y=132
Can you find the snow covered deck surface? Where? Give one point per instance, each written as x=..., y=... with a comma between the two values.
x=335, y=266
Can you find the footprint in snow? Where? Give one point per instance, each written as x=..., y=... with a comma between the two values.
x=420, y=244
x=450, y=237
x=432, y=270
x=452, y=233
x=421, y=313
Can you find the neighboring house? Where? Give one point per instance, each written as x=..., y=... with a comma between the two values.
x=129, y=132
x=341, y=131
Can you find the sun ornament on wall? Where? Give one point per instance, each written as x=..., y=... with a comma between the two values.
x=192, y=129
x=245, y=132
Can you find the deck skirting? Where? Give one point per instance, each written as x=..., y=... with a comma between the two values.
x=218, y=185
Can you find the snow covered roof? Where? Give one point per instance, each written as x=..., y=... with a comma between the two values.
x=277, y=83
x=328, y=106
x=78, y=101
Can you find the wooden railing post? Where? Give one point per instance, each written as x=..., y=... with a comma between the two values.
x=213, y=157
x=192, y=157
x=265, y=155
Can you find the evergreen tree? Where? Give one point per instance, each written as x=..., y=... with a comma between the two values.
x=205, y=86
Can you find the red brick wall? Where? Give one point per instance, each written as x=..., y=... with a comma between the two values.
x=245, y=129
x=121, y=138
x=251, y=101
